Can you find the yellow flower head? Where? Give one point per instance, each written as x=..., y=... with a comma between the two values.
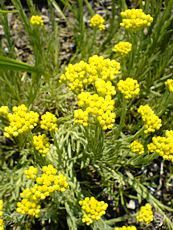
x=28, y=207
x=45, y=184
x=122, y=48
x=82, y=74
x=36, y=20
x=97, y=21
x=21, y=121
x=41, y=144
x=31, y=172
x=105, y=88
x=129, y=88
x=49, y=122
x=1, y=215
x=163, y=145
x=95, y=106
x=49, y=170
x=145, y=214
x=4, y=111
x=93, y=209
x=169, y=84
x=137, y=147
x=150, y=119
x=1, y=208
x=135, y=19
x=126, y=228
x=81, y=117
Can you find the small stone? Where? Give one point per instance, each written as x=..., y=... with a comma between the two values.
x=131, y=204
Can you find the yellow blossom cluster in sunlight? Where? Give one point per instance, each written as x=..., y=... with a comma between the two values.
x=41, y=144
x=47, y=183
x=145, y=214
x=163, y=145
x=137, y=147
x=93, y=209
x=133, y=19
x=31, y=173
x=129, y=87
x=151, y=121
x=122, y=48
x=97, y=21
x=36, y=20
x=169, y=84
x=97, y=107
x=1, y=215
x=49, y=122
x=80, y=75
x=20, y=121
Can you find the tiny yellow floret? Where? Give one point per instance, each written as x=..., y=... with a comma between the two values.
x=122, y=48
x=145, y=214
x=129, y=88
x=36, y=20
x=92, y=209
x=137, y=147
x=97, y=21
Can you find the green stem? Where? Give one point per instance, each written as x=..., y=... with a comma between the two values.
x=116, y=220
x=123, y=114
x=164, y=102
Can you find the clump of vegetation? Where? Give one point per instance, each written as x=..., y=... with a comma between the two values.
x=87, y=141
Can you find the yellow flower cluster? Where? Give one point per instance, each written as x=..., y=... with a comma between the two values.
x=126, y=228
x=145, y=214
x=28, y=206
x=93, y=209
x=31, y=173
x=163, y=145
x=137, y=147
x=122, y=48
x=41, y=144
x=36, y=20
x=97, y=107
x=45, y=185
x=135, y=19
x=129, y=87
x=150, y=119
x=21, y=121
x=97, y=21
x=82, y=74
x=81, y=117
x=103, y=68
x=1, y=215
x=169, y=84
x=49, y=122
x=105, y=88
x=4, y=111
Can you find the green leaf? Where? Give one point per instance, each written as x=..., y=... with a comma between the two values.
x=12, y=64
